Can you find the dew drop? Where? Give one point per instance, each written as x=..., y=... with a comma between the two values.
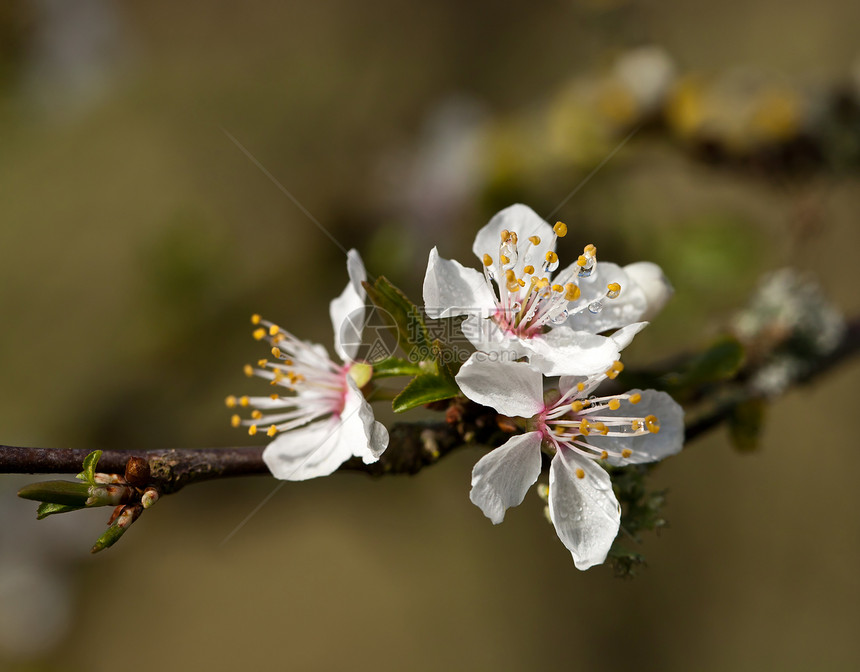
x=560, y=317
x=595, y=307
x=509, y=249
x=551, y=265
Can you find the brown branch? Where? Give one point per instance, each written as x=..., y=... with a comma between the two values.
x=848, y=347
x=412, y=446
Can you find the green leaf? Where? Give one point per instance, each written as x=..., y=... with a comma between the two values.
x=424, y=389
x=406, y=316
x=395, y=366
x=57, y=492
x=88, y=475
x=117, y=527
x=48, y=508
x=719, y=362
x=746, y=423
x=109, y=538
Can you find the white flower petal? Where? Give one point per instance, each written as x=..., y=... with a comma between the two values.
x=655, y=285
x=319, y=448
x=584, y=511
x=452, y=289
x=627, y=308
x=624, y=336
x=502, y=477
x=565, y=352
x=526, y=223
x=347, y=310
x=368, y=439
x=648, y=447
x=296, y=455
x=485, y=334
x=512, y=388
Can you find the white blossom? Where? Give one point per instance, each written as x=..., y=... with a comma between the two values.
x=317, y=416
x=580, y=430
x=517, y=305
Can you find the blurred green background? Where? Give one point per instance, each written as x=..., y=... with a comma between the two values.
x=136, y=239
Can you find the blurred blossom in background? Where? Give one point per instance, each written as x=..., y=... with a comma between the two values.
x=721, y=141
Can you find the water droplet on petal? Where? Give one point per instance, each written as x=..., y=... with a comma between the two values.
x=595, y=307
x=560, y=317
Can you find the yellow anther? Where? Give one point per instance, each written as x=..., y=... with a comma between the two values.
x=274, y=396
x=235, y=421
x=590, y=249
x=636, y=425
x=626, y=452
x=534, y=240
x=272, y=430
x=533, y=280
x=514, y=237
x=504, y=259
x=617, y=366
x=635, y=398
x=560, y=229
x=571, y=292
x=259, y=334
x=274, y=329
x=579, y=473
x=543, y=282
x=510, y=276
x=230, y=401
x=584, y=428
x=252, y=430
x=521, y=282
x=244, y=401
x=277, y=338
x=249, y=370
x=577, y=406
x=603, y=455
x=652, y=424
x=614, y=404
x=599, y=427
x=256, y=414
x=262, y=362
x=276, y=352
x=582, y=260
x=513, y=285
x=255, y=319
x=586, y=402
x=529, y=269
x=551, y=257
x=488, y=260
x=558, y=288
x=580, y=387
x=506, y=235
x=613, y=290
x=559, y=430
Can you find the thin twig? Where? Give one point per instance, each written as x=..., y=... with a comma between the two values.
x=412, y=446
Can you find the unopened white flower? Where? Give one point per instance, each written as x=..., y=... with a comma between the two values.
x=322, y=419
x=519, y=305
x=580, y=431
